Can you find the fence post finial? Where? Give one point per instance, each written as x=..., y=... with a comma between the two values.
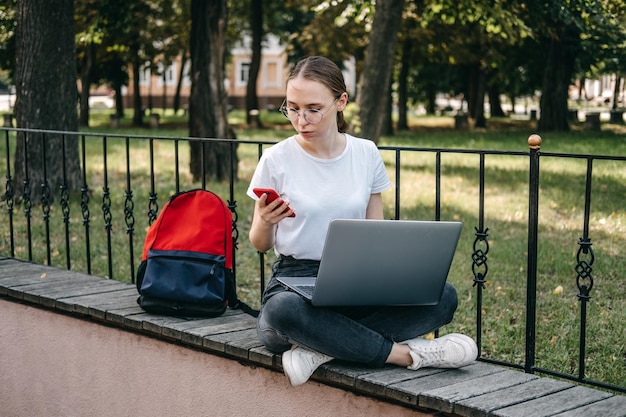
x=534, y=141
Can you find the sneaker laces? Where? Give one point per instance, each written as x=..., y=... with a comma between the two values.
x=428, y=355
x=313, y=359
x=449, y=351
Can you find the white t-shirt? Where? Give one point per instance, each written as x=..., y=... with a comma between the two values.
x=318, y=190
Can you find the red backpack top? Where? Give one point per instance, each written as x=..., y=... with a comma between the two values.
x=194, y=221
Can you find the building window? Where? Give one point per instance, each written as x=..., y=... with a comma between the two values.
x=272, y=74
x=169, y=75
x=187, y=68
x=243, y=72
x=144, y=76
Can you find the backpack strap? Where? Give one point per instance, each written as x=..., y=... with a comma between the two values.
x=231, y=295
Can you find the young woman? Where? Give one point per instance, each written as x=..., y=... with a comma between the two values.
x=323, y=173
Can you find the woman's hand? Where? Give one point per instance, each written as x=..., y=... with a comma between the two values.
x=272, y=212
x=264, y=220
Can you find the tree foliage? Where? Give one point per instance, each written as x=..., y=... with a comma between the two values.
x=474, y=48
x=573, y=36
x=7, y=37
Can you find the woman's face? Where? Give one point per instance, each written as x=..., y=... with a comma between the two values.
x=303, y=94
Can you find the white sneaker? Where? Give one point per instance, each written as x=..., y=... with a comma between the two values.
x=300, y=363
x=449, y=351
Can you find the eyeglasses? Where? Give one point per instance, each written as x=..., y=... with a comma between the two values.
x=312, y=116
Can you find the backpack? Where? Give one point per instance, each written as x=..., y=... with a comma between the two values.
x=186, y=264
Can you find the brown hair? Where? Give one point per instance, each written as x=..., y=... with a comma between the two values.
x=325, y=71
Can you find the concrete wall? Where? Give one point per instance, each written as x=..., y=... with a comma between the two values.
x=59, y=366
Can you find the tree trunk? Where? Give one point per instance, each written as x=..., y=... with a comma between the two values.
x=616, y=91
x=208, y=105
x=164, y=95
x=431, y=102
x=476, y=96
x=513, y=99
x=117, y=80
x=387, y=127
x=137, y=104
x=494, y=101
x=405, y=67
x=45, y=78
x=85, y=83
x=581, y=90
x=556, y=79
x=179, y=84
x=379, y=57
x=119, y=100
x=252, y=99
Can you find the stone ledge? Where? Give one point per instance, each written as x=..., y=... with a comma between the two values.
x=477, y=390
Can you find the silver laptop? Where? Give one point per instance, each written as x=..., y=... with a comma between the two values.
x=381, y=262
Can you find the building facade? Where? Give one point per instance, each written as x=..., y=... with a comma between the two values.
x=158, y=88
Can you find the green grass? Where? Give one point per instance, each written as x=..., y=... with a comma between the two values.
x=506, y=212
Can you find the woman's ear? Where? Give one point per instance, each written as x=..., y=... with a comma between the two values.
x=342, y=101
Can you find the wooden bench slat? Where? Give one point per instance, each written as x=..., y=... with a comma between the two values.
x=413, y=389
x=482, y=405
x=236, y=343
x=614, y=406
x=94, y=301
x=445, y=398
x=552, y=404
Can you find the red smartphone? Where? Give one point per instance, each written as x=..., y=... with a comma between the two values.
x=271, y=196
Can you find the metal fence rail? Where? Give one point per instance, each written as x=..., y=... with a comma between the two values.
x=125, y=200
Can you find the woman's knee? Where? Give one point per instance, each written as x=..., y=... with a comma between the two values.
x=449, y=296
x=449, y=300
x=278, y=315
x=281, y=310
x=271, y=338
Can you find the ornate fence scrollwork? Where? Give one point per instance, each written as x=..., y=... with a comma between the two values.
x=153, y=207
x=584, y=268
x=129, y=207
x=479, y=257
x=106, y=209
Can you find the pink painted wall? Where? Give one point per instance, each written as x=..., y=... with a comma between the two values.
x=53, y=365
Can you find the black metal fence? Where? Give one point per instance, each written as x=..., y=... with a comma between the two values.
x=127, y=178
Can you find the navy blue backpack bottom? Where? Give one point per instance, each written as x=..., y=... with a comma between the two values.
x=162, y=306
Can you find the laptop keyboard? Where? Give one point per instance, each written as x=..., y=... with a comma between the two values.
x=306, y=289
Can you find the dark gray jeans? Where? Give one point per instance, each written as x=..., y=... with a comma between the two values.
x=363, y=334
